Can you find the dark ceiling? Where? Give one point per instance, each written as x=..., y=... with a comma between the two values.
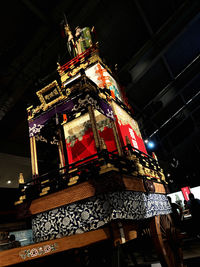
x=156, y=45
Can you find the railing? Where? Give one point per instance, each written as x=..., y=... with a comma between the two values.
x=145, y=159
x=87, y=169
x=79, y=59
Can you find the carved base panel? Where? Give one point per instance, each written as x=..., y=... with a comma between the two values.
x=97, y=211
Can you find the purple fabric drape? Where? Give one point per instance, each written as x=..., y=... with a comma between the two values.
x=74, y=105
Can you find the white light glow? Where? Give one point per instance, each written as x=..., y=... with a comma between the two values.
x=150, y=144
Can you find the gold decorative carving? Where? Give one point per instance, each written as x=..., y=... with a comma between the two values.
x=21, y=178
x=52, y=90
x=84, y=64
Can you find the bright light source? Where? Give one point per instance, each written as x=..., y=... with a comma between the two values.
x=146, y=141
x=168, y=175
x=9, y=182
x=150, y=144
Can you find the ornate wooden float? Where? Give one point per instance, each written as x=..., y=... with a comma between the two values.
x=105, y=186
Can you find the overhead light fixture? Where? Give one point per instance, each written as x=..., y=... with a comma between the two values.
x=150, y=144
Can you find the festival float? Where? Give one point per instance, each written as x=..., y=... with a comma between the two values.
x=102, y=185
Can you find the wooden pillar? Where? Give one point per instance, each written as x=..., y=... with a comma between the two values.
x=118, y=144
x=61, y=141
x=94, y=128
x=61, y=154
x=116, y=134
x=123, y=231
x=34, y=162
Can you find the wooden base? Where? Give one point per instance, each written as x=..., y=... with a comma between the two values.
x=88, y=189
x=159, y=228
x=42, y=249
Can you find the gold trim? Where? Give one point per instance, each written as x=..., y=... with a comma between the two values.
x=32, y=157
x=35, y=157
x=34, y=162
x=44, y=182
x=29, y=108
x=73, y=170
x=107, y=168
x=84, y=64
x=40, y=93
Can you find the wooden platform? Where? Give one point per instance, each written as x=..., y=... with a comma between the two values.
x=108, y=182
x=42, y=249
x=90, y=189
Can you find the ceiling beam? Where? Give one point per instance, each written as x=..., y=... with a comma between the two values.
x=160, y=41
x=36, y=11
x=175, y=87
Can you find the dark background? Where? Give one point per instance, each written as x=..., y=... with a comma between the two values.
x=156, y=46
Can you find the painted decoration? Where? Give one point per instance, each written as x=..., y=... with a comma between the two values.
x=50, y=95
x=186, y=191
x=105, y=130
x=80, y=139
x=102, y=78
x=127, y=126
x=73, y=105
x=95, y=212
x=37, y=251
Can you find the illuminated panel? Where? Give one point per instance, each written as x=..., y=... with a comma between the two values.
x=186, y=191
x=127, y=126
x=79, y=138
x=100, y=76
x=104, y=126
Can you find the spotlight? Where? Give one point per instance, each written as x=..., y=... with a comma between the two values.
x=9, y=182
x=150, y=144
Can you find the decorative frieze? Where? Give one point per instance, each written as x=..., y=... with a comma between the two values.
x=38, y=251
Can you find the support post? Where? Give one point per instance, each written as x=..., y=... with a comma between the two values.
x=116, y=134
x=62, y=153
x=94, y=128
x=34, y=162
